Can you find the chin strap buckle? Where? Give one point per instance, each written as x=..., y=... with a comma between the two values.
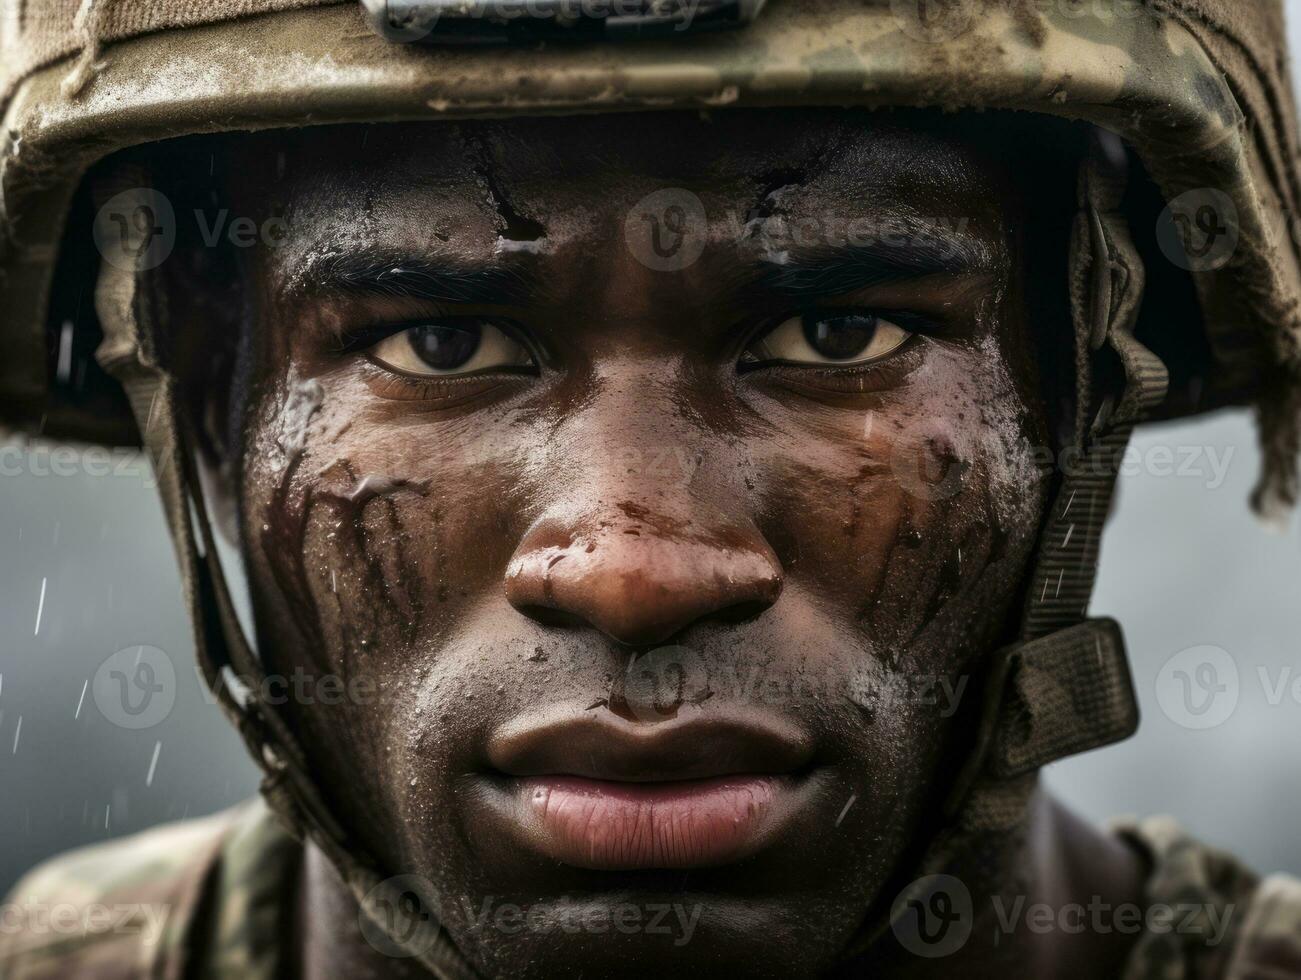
x=1061, y=694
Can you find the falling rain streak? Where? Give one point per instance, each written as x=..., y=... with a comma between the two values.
x=153, y=764
x=40, y=608
x=852, y=798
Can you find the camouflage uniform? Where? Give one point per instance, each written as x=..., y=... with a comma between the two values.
x=217, y=885
x=1263, y=918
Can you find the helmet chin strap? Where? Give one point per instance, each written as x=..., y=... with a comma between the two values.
x=1063, y=688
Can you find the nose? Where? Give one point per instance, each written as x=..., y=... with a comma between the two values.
x=640, y=578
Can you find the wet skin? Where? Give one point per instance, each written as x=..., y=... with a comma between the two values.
x=497, y=560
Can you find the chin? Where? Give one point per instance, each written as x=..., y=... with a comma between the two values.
x=650, y=934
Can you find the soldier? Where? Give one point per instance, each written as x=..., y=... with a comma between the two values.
x=684, y=519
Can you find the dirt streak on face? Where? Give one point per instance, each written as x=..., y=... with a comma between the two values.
x=505, y=549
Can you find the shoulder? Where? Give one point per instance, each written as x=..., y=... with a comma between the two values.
x=1209, y=917
x=128, y=907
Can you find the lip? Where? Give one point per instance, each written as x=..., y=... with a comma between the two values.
x=609, y=826
x=594, y=791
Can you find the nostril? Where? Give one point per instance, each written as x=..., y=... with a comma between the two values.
x=550, y=616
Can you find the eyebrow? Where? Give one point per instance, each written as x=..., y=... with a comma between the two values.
x=832, y=270
x=801, y=273
x=372, y=273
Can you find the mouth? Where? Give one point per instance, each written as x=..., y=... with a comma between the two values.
x=595, y=791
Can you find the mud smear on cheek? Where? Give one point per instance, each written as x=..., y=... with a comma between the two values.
x=390, y=596
x=283, y=531
x=380, y=595
x=931, y=481
x=869, y=474
x=380, y=580
x=946, y=537
x=968, y=506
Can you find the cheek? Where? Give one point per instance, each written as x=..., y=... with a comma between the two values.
x=916, y=518
x=361, y=536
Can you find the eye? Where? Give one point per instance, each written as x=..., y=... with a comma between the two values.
x=841, y=339
x=450, y=348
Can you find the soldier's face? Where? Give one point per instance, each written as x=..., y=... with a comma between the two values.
x=653, y=486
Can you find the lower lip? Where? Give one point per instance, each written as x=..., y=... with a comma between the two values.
x=611, y=826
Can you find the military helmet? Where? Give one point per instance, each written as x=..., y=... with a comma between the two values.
x=1197, y=88
x=1192, y=290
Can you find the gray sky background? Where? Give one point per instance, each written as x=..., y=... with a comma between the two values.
x=1185, y=565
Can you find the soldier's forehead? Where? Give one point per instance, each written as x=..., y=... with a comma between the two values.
x=574, y=155
x=447, y=188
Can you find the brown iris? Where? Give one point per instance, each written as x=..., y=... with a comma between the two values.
x=840, y=338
